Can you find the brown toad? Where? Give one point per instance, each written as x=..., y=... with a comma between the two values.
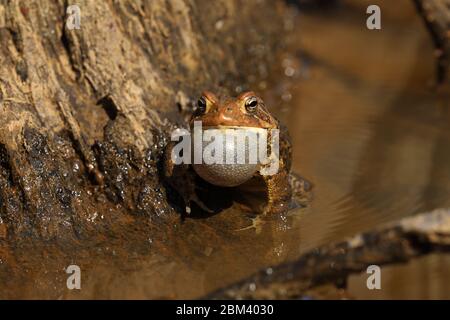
x=246, y=112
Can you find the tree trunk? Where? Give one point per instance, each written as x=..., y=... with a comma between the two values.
x=85, y=113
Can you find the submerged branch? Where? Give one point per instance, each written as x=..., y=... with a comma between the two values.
x=333, y=263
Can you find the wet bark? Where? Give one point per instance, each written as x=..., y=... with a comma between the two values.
x=85, y=113
x=333, y=263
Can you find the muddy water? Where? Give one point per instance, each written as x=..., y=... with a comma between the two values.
x=366, y=126
x=371, y=135
x=367, y=130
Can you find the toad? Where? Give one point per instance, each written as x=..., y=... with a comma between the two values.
x=246, y=113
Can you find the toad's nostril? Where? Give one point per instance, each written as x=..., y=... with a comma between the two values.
x=229, y=109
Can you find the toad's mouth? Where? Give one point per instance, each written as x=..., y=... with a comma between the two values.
x=235, y=128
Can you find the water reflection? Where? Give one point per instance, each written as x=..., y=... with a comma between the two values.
x=367, y=128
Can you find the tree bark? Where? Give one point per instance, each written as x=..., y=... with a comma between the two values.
x=85, y=113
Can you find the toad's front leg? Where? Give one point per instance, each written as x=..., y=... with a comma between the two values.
x=279, y=192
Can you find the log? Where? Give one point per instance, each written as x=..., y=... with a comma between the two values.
x=397, y=242
x=85, y=113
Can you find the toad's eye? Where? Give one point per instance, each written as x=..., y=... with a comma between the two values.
x=201, y=105
x=251, y=104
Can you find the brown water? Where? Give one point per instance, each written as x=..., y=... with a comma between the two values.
x=367, y=130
